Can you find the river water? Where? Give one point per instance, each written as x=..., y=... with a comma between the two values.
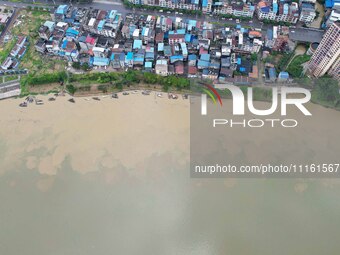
x=112, y=177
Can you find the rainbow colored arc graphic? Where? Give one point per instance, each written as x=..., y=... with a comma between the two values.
x=211, y=89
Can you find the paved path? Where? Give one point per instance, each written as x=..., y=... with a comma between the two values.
x=118, y=5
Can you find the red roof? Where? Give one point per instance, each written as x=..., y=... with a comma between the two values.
x=90, y=40
x=203, y=51
x=192, y=70
x=176, y=36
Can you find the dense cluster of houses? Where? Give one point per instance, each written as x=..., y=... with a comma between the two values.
x=287, y=11
x=274, y=10
x=159, y=44
x=18, y=51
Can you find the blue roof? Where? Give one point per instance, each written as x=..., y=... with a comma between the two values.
x=71, y=31
x=283, y=75
x=285, y=9
x=191, y=24
x=239, y=61
x=272, y=72
x=137, y=44
x=64, y=44
x=265, y=9
x=61, y=9
x=192, y=57
x=202, y=63
x=100, y=61
x=82, y=38
x=204, y=3
x=160, y=46
x=129, y=56
x=101, y=25
x=122, y=56
x=138, y=59
x=180, y=31
x=112, y=57
x=173, y=59
x=148, y=65
x=275, y=7
x=205, y=57
x=329, y=3
x=187, y=37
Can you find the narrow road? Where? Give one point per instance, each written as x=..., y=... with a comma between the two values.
x=118, y=5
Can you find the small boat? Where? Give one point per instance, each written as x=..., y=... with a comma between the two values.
x=51, y=99
x=72, y=100
x=39, y=102
x=96, y=98
x=185, y=96
x=160, y=95
x=174, y=96
x=134, y=92
x=24, y=104
x=114, y=95
x=146, y=93
x=126, y=93
x=30, y=99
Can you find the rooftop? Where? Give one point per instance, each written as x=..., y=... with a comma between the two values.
x=306, y=34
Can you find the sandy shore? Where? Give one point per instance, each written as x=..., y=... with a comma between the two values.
x=93, y=135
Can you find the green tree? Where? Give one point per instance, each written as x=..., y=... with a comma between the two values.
x=254, y=56
x=76, y=65
x=71, y=89
x=85, y=66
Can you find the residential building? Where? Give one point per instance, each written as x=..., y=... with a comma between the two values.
x=327, y=53
x=333, y=17
x=238, y=9
x=161, y=67
x=308, y=13
x=278, y=11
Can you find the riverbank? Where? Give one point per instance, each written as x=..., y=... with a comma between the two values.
x=92, y=135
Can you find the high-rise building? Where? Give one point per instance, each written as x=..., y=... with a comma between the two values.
x=326, y=57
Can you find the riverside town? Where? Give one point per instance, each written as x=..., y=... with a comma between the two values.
x=260, y=44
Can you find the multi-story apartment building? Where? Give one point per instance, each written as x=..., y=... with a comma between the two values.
x=326, y=57
x=308, y=13
x=238, y=9
x=335, y=70
x=278, y=11
x=334, y=16
x=207, y=6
